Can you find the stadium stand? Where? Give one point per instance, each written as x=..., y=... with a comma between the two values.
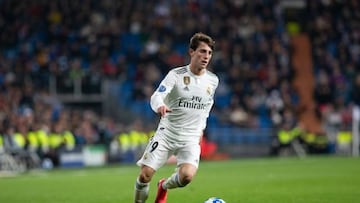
x=89, y=67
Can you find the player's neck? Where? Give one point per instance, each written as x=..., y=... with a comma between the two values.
x=197, y=70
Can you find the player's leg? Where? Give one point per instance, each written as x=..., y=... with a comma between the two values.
x=181, y=177
x=155, y=156
x=142, y=184
x=186, y=173
x=188, y=162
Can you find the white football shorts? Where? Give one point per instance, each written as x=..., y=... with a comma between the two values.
x=159, y=149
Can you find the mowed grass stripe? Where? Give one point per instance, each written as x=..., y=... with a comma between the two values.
x=313, y=179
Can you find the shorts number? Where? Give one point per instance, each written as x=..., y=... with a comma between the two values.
x=154, y=146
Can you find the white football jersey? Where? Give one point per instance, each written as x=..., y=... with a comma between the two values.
x=190, y=98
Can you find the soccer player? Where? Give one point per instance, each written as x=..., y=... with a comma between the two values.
x=183, y=100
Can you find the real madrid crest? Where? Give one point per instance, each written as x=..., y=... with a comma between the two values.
x=209, y=90
x=145, y=156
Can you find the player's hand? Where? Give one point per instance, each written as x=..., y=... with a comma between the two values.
x=162, y=110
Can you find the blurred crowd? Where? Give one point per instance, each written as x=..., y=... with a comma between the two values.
x=334, y=30
x=135, y=43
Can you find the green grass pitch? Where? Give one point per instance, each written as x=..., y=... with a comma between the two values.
x=260, y=180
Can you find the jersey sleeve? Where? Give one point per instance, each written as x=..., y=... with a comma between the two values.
x=216, y=83
x=165, y=87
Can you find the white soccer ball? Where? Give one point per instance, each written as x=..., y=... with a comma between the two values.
x=214, y=200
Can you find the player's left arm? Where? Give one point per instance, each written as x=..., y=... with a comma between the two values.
x=207, y=113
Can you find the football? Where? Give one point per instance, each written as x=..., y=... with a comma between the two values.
x=214, y=200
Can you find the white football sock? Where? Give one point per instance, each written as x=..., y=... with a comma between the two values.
x=172, y=182
x=141, y=192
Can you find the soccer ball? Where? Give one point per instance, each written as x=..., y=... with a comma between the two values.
x=214, y=200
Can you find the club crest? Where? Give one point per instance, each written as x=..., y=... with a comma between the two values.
x=209, y=90
x=145, y=156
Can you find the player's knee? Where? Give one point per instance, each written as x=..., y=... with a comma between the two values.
x=186, y=179
x=146, y=175
x=186, y=174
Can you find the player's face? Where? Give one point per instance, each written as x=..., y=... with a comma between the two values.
x=200, y=57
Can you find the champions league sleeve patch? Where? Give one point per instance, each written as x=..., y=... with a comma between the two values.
x=162, y=88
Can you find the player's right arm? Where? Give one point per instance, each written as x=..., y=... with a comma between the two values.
x=157, y=98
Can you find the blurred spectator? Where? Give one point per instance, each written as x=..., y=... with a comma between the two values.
x=355, y=93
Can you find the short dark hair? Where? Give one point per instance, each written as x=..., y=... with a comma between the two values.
x=201, y=37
